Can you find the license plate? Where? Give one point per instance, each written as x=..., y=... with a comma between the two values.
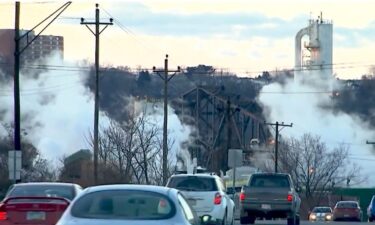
x=36, y=216
x=192, y=202
x=346, y=215
x=265, y=206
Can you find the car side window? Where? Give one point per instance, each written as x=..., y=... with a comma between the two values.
x=188, y=212
x=9, y=189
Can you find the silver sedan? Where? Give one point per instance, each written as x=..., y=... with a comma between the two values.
x=130, y=205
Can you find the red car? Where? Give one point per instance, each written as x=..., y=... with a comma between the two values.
x=36, y=203
x=347, y=210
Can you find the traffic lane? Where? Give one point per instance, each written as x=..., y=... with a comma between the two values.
x=283, y=222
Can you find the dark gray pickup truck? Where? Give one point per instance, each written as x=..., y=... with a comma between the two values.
x=269, y=195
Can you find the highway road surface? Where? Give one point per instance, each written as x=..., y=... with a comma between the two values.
x=283, y=222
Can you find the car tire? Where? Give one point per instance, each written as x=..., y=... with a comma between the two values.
x=244, y=220
x=293, y=220
x=232, y=221
x=247, y=220
x=370, y=219
x=297, y=220
x=224, y=221
x=252, y=219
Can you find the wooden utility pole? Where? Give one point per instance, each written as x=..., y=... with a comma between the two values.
x=16, y=78
x=97, y=33
x=228, y=115
x=165, y=71
x=18, y=50
x=277, y=124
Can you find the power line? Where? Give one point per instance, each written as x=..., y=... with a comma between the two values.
x=350, y=156
x=295, y=92
x=332, y=141
x=44, y=87
x=362, y=159
x=87, y=68
x=62, y=88
x=132, y=34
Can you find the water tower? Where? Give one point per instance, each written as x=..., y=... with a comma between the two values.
x=314, y=57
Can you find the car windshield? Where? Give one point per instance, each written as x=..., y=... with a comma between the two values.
x=43, y=190
x=266, y=181
x=322, y=210
x=193, y=183
x=124, y=204
x=347, y=205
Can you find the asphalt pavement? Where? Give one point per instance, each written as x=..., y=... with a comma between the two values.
x=283, y=222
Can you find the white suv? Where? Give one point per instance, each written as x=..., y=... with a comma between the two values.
x=206, y=195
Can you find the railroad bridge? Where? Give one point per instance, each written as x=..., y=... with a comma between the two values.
x=222, y=123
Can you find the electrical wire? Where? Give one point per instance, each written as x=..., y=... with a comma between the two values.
x=87, y=68
x=349, y=155
x=40, y=90
x=332, y=142
x=345, y=65
x=136, y=37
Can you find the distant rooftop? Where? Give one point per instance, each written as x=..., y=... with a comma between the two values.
x=79, y=155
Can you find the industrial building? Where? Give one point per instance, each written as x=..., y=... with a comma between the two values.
x=313, y=59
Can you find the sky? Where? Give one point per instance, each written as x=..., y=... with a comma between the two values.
x=244, y=37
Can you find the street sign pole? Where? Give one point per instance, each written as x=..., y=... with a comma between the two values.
x=235, y=159
x=14, y=165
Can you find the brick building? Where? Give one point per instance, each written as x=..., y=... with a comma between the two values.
x=40, y=48
x=78, y=168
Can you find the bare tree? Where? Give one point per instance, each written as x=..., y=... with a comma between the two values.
x=314, y=167
x=116, y=146
x=148, y=148
x=156, y=165
x=130, y=152
x=34, y=166
x=42, y=170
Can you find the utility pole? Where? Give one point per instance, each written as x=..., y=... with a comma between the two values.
x=97, y=33
x=166, y=79
x=18, y=50
x=229, y=134
x=16, y=79
x=277, y=124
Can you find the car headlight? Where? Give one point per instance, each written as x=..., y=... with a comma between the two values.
x=329, y=217
x=312, y=217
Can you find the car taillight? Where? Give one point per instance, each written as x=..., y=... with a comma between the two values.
x=242, y=196
x=290, y=197
x=217, y=199
x=3, y=213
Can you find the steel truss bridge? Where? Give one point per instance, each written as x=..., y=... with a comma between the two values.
x=221, y=123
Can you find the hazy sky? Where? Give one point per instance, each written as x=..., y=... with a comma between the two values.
x=246, y=37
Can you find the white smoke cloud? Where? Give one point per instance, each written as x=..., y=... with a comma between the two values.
x=303, y=105
x=56, y=112
x=178, y=133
